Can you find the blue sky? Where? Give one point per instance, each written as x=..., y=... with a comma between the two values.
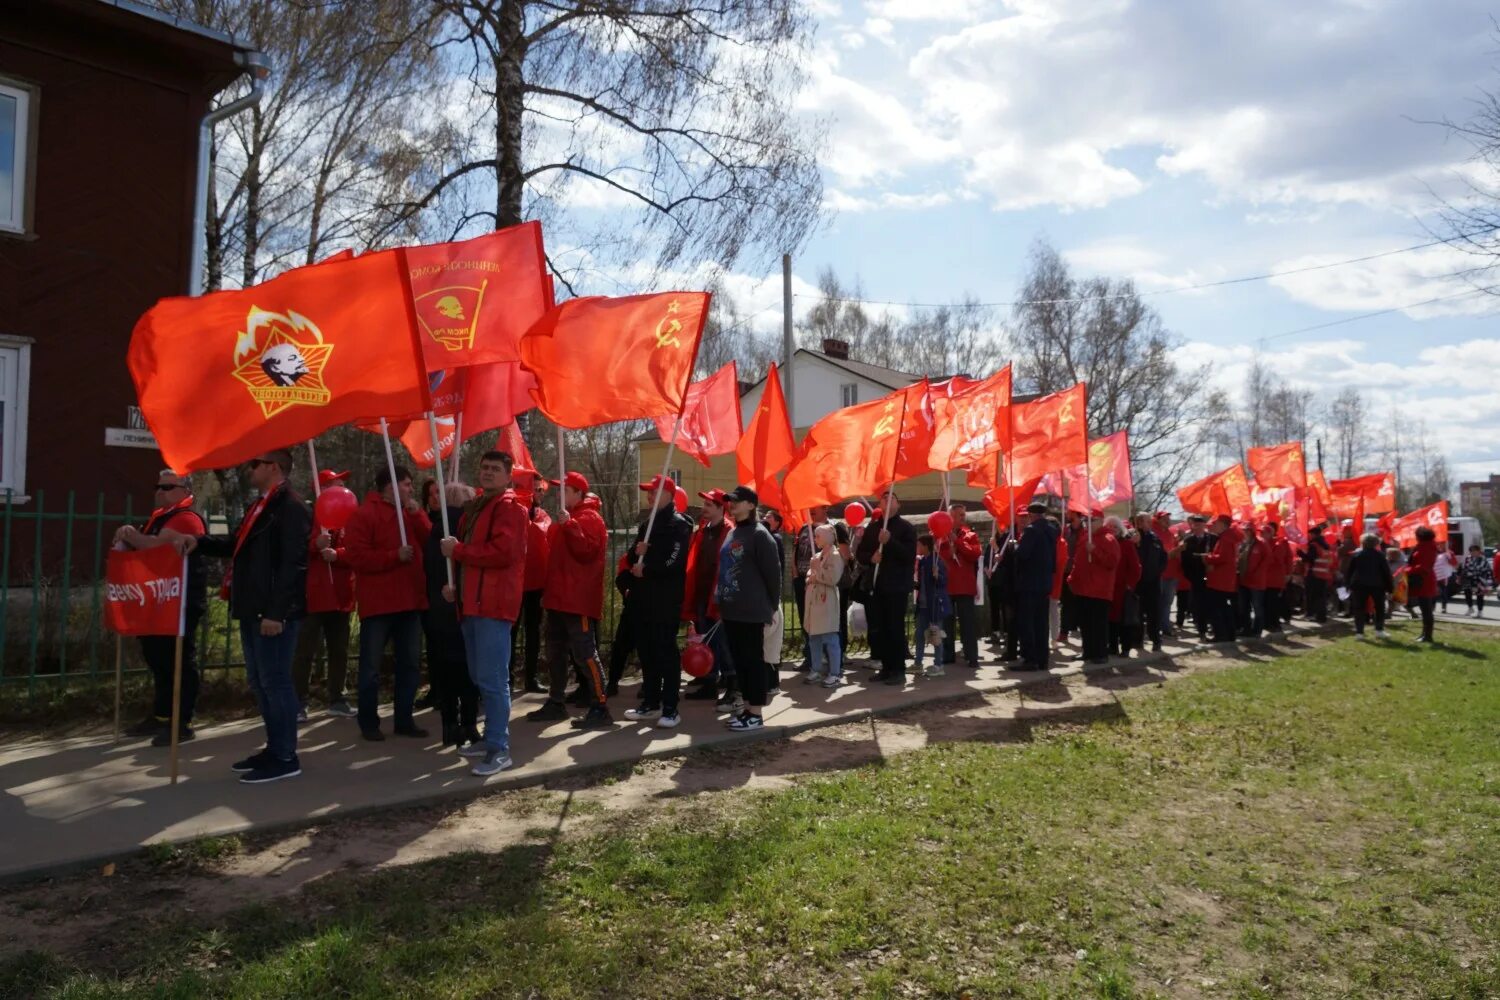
x=1176, y=142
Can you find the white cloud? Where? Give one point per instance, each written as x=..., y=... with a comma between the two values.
x=925, y=10
x=839, y=201
x=1393, y=282
x=880, y=29
x=1124, y=257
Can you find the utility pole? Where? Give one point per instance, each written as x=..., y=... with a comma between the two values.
x=1319, y=443
x=787, y=346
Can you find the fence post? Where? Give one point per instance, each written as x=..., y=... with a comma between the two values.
x=36, y=592
x=5, y=578
x=98, y=576
x=67, y=592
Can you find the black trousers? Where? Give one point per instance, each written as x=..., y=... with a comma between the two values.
x=844, y=621
x=160, y=654
x=319, y=628
x=1362, y=598
x=1069, y=617
x=1202, y=616
x=1148, y=592
x=965, y=617
x=1184, y=606
x=1274, y=616
x=1008, y=608
x=799, y=595
x=746, y=645
x=996, y=614
x=570, y=635
x=1222, y=618
x=1427, y=604
x=528, y=629
x=889, y=609
x=1093, y=626
x=661, y=663
x=1317, y=599
x=622, y=647
x=448, y=668
x=1029, y=628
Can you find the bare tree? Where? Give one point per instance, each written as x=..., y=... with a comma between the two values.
x=1348, y=430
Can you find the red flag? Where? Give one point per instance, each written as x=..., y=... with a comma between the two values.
x=144, y=591
x=916, y=432
x=1435, y=516
x=1383, y=527
x=476, y=298
x=851, y=452
x=998, y=501
x=598, y=360
x=1282, y=465
x=229, y=375
x=1049, y=434
x=417, y=438
x=1225, y=492
x=495, y=395
x=1106, y=478
x=1378, y=490
x=710, y=417
x=767, y=446
x=972, y=423
x=512, y=442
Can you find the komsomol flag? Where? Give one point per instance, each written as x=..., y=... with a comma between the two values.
x=1435, y=516
x=972, y=423
x=598, y=360
x=1225, y=492
x=767, y=445
x=849, y=453
x=145, y=591
x=1281, y=465
x=710, y=417
x=227, y=376
x=1048, y=434
x=474, y=299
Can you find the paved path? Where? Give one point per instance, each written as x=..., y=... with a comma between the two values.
x=75, y=802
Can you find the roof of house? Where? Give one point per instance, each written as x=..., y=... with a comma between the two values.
x=888, y=377
x=180, y=23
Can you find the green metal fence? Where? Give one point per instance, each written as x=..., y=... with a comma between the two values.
x=52, y=630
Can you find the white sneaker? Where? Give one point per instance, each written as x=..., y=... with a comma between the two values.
x=669, y=720
x=1360, y=636
x=1382, y=634
x=645, y=713
x=813, y=679
x=832, y=681
x=936, y=671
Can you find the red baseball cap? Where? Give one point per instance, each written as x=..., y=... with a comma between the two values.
x=715, y=496
x=328, y=477
x=663, y=482
x=575, y=479
x=1162, y=515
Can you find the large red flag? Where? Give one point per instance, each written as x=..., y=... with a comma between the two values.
x=1225, y=492
x=1282, y=465
x=417, y=437
x=998, y=501
x=495, y=396
x=1320, y=499
x=851, y=452
x=710, y=417
x=972, y=423
x=144, y=591
x=1048, y=434
x=916, y=432
x=767, y=445
x=229, y=375
x=1435, y=516
x=476, y=298
x=598, y=360
x=1106, y=478
x=512, y=442
x=1378, y=491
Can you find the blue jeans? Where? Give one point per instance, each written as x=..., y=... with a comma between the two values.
x=403, y=630
x=268, y=669
x=1168, y=601
x=487, y=644
x=821, y=648
x=923, y=621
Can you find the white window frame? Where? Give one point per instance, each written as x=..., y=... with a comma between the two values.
x=16, y=392
x=20, y=208
x=849, y=394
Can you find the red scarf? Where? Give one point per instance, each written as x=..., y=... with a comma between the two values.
x=164, y=514
x=244, y=532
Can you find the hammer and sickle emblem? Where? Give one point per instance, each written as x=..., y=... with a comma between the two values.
x=1065, y=415
x=886, y=425
x=668, y=329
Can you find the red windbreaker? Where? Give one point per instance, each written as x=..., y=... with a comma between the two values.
x=1060, y=573
x=576, y=549
x=536, y=550
x=1282, y=561
x=491, y=557
x=960, y=554
x=1094, y=568
x=1423, y=561
x=1223, y=562
x=383, y=584
x=1127, y=575
x=330, y=586
x=1258, y=566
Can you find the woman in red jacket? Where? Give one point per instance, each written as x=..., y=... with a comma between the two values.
x=1092, y=582
x=529, y=625
x=1124, y=606
x=1223, y=578
x=1422, y=580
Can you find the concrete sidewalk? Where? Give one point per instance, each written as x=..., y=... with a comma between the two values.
x=76, y=802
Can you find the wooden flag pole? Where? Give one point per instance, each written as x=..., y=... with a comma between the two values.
x=437, y=470
x=177, y=668
x=390, y=464
x=312, y=459
x=119, y=679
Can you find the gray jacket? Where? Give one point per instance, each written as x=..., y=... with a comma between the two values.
x=749, y=585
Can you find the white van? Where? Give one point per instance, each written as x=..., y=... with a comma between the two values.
x=1463, y=532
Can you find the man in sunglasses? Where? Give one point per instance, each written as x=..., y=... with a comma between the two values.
x=172, y=512
x=267, y=595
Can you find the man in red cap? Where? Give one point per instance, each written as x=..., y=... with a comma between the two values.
x=524, y=481
x=1092, y=580
x=330, y=602
x=658, y=561
x=960, y=551
x=574, y=601
x=698, y=606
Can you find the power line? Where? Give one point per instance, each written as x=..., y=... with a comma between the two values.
x=1379, y=312
x=1161, y=291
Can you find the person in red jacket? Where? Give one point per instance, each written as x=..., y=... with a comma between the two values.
x=960, y=551
x=574, y=601
x=1282, y=561
x=698, y=605
x=1223, y=579
x=1123, y=633
x=330, y=601
x=1422, y=578
x=527, y=484
x=1055, y=598
x=1092, y=582
x=489, y=556
x=390, y=588
x=1255, y=580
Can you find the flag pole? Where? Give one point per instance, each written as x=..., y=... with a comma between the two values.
x=562, y=469
x=119, y=679
x=312, y=459
x=390, y=464
x=885, y=519
x=458, y=442
x=437, y=469
x=177, y=667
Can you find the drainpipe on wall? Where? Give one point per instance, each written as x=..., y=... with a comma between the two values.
x=259, y=67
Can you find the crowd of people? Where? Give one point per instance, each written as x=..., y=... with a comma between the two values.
x=515, y=589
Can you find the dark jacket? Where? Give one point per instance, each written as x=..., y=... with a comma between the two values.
x=269, y=575
x=1035, y=557
x=749, y=587
x=898, y=563
x=1153, y=559
x=1368, y=568
x=441, y=616
x=1194, y=548
x=657, y=595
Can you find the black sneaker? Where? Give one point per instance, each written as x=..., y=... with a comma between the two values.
x=597, y=717
x=273, y=770
x=579, y=697
x=895, y=680
x=373, y=735
x=551, y=711
x=149, y=726
x=416, y=732
x=703, y=692
x=725, y=701
x=251, y=762
x=164, y=739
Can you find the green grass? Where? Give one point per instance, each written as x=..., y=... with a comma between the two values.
x=1325, y=825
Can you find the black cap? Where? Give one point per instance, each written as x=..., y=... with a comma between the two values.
x=741, y=493
x=1036, y=507
x=1198, y=518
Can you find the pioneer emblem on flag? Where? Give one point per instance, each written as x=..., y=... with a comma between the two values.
x=450, y=314
x=280, y=357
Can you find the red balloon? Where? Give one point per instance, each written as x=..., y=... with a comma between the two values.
x=679, y=500
x=940, y=523
x=854, y=515
x=697, y=660
x=334, y=506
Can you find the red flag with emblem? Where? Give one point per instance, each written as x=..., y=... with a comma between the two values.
x=1377, y=490
x=849, y=453
x=997, y=501
x=710, y=417
x=1434, y=516
x=916, y=432
x=1048, y=434
x=416, y=436
x=227, y=376
x=767, y=446
x=598, y=360
x=1106, y=478
x=1225, y=492
x=970, y=424
x=1281, y=465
